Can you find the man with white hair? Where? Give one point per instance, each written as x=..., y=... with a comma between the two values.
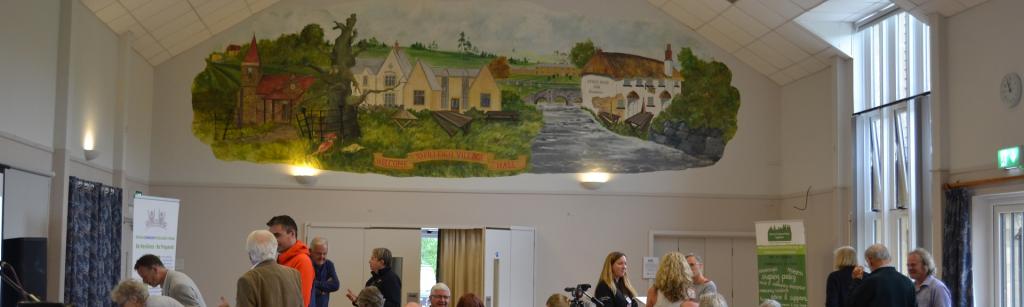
x=440, y=295
x=267, y=284
x=770, y=303
x=884, y=286
x=326, y=280
x=931, y=292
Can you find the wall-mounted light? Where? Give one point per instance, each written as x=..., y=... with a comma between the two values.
x=89, y=147
x=305, y=174
x=593, y=180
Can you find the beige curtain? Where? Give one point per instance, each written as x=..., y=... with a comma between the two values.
x=460, y=259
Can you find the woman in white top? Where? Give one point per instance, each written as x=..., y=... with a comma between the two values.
x=671, y=283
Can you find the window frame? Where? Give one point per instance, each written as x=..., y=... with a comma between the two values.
x=419, y=97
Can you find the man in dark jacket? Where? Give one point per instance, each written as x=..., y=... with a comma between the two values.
x=326, y=277
x=884, y=286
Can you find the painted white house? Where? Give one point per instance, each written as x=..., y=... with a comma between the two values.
x=626, y=84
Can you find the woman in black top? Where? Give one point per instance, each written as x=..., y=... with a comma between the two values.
x=383, y=278
x=838, y=286
x=613, y=288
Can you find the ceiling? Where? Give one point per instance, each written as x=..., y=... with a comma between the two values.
x=761, y=33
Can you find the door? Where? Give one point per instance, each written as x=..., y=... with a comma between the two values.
x=730, y=262
x=455, y=104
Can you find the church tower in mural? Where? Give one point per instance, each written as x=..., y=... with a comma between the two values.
x=249, y=81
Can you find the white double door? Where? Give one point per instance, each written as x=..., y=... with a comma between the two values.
x=730, y=262
x=350, y=247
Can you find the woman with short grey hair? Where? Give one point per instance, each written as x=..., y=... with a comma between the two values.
x=713, y=300
x=132, y=293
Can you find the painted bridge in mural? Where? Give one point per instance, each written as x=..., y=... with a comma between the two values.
x=572, y=141
x=570, y=94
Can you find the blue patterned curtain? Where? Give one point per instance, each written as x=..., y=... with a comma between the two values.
x=93, y=265
x=956, y=247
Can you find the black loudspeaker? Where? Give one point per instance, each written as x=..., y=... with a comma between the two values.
x=27, y=256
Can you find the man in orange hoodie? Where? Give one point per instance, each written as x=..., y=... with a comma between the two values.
x=293, y=253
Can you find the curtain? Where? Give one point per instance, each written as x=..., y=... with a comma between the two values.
x=956, y=247
x=460, y=258
x=93, y=264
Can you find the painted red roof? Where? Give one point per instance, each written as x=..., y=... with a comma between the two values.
x=284, y=86
x=253, y=56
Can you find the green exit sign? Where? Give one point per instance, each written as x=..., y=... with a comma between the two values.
x=1009, y=157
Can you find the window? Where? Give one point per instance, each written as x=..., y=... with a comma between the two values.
x=389, y=99
x=390, y=80
x=620, y=104
x=625, y=82
x=891, y=63
x=366, y=80
x=1009, y=247
x=428, y=262
x=485, y=100
x=419, y=98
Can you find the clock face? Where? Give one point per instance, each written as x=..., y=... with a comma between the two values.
x=1010, y=89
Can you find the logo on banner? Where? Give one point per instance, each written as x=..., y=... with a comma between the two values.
x=780, y=233
x=157, y=218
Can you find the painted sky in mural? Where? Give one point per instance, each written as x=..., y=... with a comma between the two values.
x=464, y=89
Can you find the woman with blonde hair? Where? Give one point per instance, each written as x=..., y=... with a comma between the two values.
x=671, y=282
x=613, y=288
x=838, y=287
x=557, y=300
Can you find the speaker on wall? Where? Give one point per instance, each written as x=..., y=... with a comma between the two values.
x=27, y=256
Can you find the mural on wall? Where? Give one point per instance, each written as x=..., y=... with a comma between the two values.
x=333, y=99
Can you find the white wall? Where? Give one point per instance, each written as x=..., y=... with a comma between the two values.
x=809, y=159
x=983, y=45
x=28, y=69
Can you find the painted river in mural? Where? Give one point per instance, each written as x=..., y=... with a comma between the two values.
x=572, y=140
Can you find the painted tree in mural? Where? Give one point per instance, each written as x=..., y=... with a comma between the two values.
x=581, y=53
x=340, y=81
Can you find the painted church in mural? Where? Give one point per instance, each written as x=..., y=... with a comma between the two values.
x=330, y=99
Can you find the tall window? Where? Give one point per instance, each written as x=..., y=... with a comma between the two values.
x=485, y=100
x=390, y=80
x=891, y=82
x=419, y=97
x=389, y=99
x=1010, y=254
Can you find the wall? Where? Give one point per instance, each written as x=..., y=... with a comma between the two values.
x=573, y=232
x=979, y=54
x=809, y=160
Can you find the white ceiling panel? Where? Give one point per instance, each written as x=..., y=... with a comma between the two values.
x=745, y=22
x=773, y=56
x=756, y=62
x=795, y=72
x=808, y=4
x=697, y=10
x=812, y=65
x=111, y=12
x=181, y=36
x=171, y=13
x=121, y=24
x=175, y=26
x=155, y=7
x=803, y=38
x=135, y=4
x=717, y=5
x=96, y=5
x=785, y=8
x=189, y=41
x=676, y=10
x=731, y=30
x=719, y=38
x=763, y=14
x=780, y=78
x=210, y=6
x=971, y=3
x=228, y=21
x=784, y=46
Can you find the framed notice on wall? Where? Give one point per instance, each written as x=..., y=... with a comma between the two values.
x=154, y=231
x=781, y=262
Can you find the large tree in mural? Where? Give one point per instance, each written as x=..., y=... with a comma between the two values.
x=340, y=81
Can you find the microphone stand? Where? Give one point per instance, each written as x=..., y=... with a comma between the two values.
x=16, y=283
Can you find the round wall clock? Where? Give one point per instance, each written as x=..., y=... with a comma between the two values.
x=1010, y=89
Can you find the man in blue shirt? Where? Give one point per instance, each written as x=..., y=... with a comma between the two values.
x=326, y=280
x=930, y=291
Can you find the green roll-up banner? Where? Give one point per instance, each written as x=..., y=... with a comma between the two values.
x=781, y=262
